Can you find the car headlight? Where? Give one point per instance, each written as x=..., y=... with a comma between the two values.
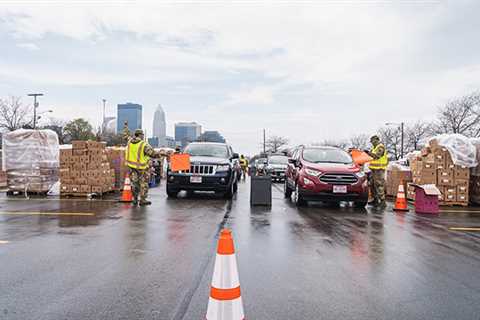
x=312, y=172
x=360, y=174
x=223, y=168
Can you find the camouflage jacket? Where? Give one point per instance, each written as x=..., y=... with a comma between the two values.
x=148, y=151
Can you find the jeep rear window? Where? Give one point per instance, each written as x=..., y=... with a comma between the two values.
x=319, y=155
x=207, y=150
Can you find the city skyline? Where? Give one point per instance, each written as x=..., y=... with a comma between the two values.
x=159, y=126
x=357, y=65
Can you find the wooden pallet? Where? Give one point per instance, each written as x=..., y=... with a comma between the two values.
x=453, y=204
x=18, y=193
x=85, y=195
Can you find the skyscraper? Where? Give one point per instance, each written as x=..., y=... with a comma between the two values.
x=130, y=112
x=186, y=132
x=159, y=126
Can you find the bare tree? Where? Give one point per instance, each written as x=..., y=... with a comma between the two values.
x=415, y=133
x=391, y=138
x=461, y=115
x=14, y=114
x=275, y=143
x=359, y=141
x=57, y=125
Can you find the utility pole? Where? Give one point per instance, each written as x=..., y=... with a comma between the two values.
x=402, y=125
x=35, y=106
x=264, y=150
x=103, y=122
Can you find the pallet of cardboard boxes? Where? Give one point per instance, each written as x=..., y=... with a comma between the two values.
x=30, y=160
x=85, y=169
x=434, y=165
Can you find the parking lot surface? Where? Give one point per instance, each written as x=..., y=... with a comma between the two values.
x=81, y=259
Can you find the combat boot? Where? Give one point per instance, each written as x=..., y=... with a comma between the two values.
x=382, y=204
x=145, y=202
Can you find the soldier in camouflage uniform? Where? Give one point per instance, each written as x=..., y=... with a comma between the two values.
x=378, y=166
x=139, y=170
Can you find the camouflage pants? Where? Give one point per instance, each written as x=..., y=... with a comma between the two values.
x=377, y=185
x=139, y=179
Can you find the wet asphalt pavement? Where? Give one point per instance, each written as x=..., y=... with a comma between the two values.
x=315, y=262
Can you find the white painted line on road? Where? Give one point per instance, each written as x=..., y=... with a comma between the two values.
x=458, y=211
x=4, y=241
x=464, y=229
x=48, y=213
x=61, y=200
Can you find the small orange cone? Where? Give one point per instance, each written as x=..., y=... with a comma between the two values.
x=127, y=191
x=225, y=301
x=401, y=201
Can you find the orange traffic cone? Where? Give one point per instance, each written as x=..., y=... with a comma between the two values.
x=127, y=191
x=401, y=201
x=225, y=301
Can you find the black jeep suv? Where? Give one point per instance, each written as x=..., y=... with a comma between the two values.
x=214, y=167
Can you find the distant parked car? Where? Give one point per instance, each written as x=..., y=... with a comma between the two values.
x=276, y=166
x=325, y=174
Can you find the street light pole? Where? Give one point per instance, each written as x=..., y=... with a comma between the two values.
x=264, y=151
x=103, y=122
x=35, y=106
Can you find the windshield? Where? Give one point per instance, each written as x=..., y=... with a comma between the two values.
x=317, y=155
x=207, y=150
x=278, y=160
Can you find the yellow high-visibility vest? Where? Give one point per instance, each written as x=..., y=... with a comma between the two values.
x=380, y=163
x=135, y=157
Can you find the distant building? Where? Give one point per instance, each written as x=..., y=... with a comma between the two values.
x=130, y=112
x=170, y=142
x=186, y=132
x=153, y=141
x=160, y=125
x=211, y=136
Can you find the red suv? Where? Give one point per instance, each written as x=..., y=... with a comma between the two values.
x=325, y=174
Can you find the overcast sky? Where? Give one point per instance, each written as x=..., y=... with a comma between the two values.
x=307, y=70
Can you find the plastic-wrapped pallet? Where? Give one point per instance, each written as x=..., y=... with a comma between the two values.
x=475, y=175
x=30, y=159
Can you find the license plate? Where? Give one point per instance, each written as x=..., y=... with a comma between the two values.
x=339, y=189
x=195, y=179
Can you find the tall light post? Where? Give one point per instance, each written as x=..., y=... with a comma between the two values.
x=103, y=122
x=35, y=106
x=402, y=128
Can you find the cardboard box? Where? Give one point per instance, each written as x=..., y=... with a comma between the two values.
x=85, y=189
x=450, y=194
x=75, y=188
x=65, y=188
x=445, y=181
x=79, y=152
x=462, y=173
x=446, y=174
x=79, y=144
x=97, y=189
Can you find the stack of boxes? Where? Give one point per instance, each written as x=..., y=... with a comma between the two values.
x=85, y=169
x=475, y=176
x=30, y=159
x=435, y=166
x=116, y=158
x=395, y=175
